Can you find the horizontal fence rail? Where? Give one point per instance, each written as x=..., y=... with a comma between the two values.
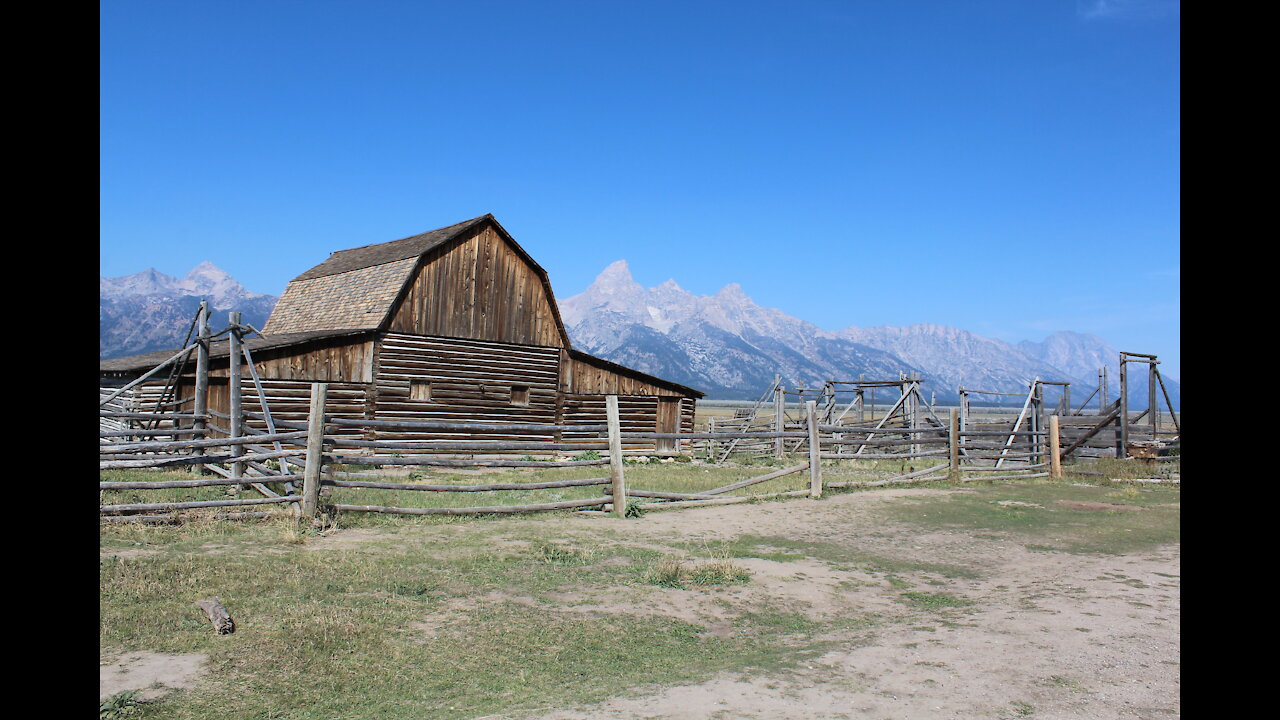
x=300, y=463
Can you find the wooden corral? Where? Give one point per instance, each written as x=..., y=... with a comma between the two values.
x=457, y=324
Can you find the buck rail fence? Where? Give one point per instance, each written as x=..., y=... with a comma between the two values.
x=316, y=458
x=310, y=445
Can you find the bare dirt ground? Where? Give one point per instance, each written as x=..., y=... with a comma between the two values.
x=1050, y=634
x=155, y=673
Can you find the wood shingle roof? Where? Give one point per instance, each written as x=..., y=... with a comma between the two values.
x=355, y=289
x=411, y=247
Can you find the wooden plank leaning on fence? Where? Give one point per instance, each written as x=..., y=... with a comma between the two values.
x=1022, y=415
x=1113, y=412
x=138, y=381
x=266, y=411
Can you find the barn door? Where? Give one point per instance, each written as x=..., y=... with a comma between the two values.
x=668, y=421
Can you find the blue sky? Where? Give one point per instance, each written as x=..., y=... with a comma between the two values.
x=1011, y=167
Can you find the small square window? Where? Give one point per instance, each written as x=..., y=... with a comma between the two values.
x=519, y=395
x=420, y=390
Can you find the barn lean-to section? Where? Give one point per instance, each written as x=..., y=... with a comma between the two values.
x=456, y=324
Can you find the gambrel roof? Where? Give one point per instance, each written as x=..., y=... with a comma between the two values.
x=412, y=247
x=358, y=289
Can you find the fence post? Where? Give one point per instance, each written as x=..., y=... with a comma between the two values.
x=953, y=444
x=615, y=456
x=237, y=409
x=779, y=415
x=1102, y=388
x=1055, y=449
x=202, y=379
x=315, y=451
x=815, y=450
x=1153, y=409
x=1122, y=449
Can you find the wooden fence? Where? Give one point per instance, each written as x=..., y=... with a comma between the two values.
x=287, y=451
x=293, y=462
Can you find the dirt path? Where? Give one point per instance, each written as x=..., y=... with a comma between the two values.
x=155, y=673
x=1049, y=634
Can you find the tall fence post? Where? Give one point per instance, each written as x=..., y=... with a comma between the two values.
x=815, y=450
x=953, y=444
x=202, y=379
x=1102, y=386
x=315, y=451
x=236, y=405
x=779, y=415
x=1055, y=448
x=615, y=456
x=1122, y=450
x=1153, y=409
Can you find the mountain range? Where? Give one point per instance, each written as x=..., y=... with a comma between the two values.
x=150, y=311
x=723, y=344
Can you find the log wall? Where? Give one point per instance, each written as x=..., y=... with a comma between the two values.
x=465, y=380
x=289, y=400
x=637, y=413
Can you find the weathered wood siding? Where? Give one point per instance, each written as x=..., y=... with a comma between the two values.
x=478, y=288
x=287, y=399
x=584, y=378
x=688, y=406
x=637, y=413
x=336, y=361
x=469, y=381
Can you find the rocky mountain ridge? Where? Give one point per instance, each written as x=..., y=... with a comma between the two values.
x=149, y=310
x=724, y=344
x=730, y=347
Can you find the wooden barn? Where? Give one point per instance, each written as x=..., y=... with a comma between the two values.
x=455, y=324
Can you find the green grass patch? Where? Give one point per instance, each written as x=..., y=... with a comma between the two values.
x=1055, y=524
x=934, y=601
x=412, y=622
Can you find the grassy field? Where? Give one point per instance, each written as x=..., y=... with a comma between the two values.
x=457, y=617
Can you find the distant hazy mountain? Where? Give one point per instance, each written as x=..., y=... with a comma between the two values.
x=958, y=358
x=150, y=311
x=730, y=347
x=1081, y=354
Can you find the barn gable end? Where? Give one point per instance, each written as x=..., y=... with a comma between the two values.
x=481, y=286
